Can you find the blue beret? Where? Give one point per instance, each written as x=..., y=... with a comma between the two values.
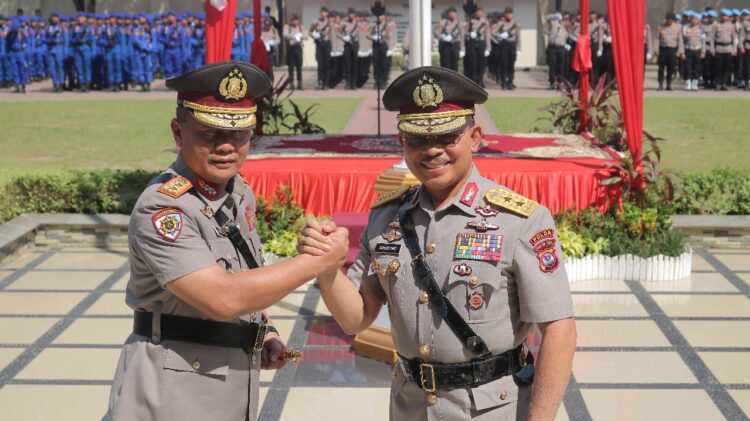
x=22, y=19
x=726, y=12
x=15, y=24
x=677, y=16
x=171, y=12
x=713, y=13
x=201, y=16
x=736, y=12
x=746, y=11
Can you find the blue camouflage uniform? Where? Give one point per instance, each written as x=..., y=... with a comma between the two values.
x=15, y=45
x=40, y=49
x=198, y=46
x=56, y=39
x=172, y=39
x=143, y=46
x=82, y=41
x=98, y=71
x=4, y=75
x=238, y=43
x=113, y=55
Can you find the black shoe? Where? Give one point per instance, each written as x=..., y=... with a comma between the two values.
x=724, y=88
x=669, y=87
x=23, y=89
x=299, y=86
x=661, y=87
x=17, y=88
x=291, y=85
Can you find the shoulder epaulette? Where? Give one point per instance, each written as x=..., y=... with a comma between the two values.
x=390, y=196
x=511, y=201
x=175, y=187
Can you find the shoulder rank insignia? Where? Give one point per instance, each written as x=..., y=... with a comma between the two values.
x=175, y=187
x=511, y=201
x=390, y=196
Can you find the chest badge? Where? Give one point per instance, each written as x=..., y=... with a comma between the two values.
x=208, y=212
x=486, y=211
x=482, y=226
x=476, y=300
x=478, y=246
x=393, y=234
x=462, y=269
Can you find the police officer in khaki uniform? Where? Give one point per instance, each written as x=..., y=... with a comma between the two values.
x=745, y=47
x=723, y=48
x=349, y=34
x=477, y=44
x=383, y=36
x=320, y=31
x=294, y=34
x=668, y=40
x=558, y=32
x=450, y=39
x=197, y=282
x=508, y=32
x=465, y=266
x=693, y=50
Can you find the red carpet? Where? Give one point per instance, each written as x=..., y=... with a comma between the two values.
x=324, y=185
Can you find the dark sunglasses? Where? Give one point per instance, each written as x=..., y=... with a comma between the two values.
x=438, y=141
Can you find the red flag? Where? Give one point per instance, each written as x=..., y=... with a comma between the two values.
x=258, y=53
x=219, y=29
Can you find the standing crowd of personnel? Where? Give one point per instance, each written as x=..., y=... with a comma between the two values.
x=116, y=51
x=704, y=49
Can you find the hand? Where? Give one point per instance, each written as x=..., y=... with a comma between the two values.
x=270, y=355
x=648, y=56
x=599, y=53
x=389, y=53
x=461, y=54
x=314, y=239
x=486, y=53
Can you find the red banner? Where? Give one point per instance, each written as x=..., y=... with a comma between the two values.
x=627, y=20
x=219, y=29
x=258, y=53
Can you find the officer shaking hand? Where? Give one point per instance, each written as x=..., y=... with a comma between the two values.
x=466, y=267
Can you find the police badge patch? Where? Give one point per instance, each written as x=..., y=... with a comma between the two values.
x=250, y=217
x=544, y=243
x=168, y=223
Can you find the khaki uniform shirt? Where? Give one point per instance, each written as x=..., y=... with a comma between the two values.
x=348, y=31
x=745, y=36
x=669, y=36
x=171, y=237
x=477, y=30
x=448, y=31
x=365, y=42
x=506, y=31
x=270, y=37
x=558, y=34
x=322, y=27
x=515, y=291
x=724, y=38
x=337, y=44
x=387, y=35
x=294, y=36
x=692, y=39
x=648, y=39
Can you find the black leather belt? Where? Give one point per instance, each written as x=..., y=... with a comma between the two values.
x=430, y=376
x=248, y=336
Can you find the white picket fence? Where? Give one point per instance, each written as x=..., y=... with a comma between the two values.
x=629, y=267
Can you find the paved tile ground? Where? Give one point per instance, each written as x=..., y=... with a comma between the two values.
x=647, y=351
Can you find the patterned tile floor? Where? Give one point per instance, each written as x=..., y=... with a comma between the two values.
x=647, y=351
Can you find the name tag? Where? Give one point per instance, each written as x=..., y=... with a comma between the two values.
x=387, y=248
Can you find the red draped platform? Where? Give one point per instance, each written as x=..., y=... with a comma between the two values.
x=328, y=184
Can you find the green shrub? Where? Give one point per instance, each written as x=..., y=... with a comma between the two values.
x=73, y=192
x=722, y=191
x=643, y=232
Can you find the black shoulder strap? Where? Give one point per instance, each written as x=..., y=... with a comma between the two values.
x=440, y=303
x=234, y=234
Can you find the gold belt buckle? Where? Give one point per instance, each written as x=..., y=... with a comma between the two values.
x=259, y=338
x=427, y=367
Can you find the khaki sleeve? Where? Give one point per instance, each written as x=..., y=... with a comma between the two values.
x=392, y=35
x=361, y=273
x=539, y=272
x=168, y=242
x=518, y=36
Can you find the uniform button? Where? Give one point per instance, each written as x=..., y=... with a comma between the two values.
x=431, y=399
x=431, y=248
x=424, y=297
x=393, y=266
x=474, y=281
x=196, y=365
x=424, y=350
x=504, y=396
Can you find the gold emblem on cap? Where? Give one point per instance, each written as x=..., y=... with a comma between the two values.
x=427, y=93
x=233, y=86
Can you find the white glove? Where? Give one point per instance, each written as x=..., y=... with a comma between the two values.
x=608, y=39
x=567, y=47
x=347, y=38
x=447, y=37
x=703, y=35
x=599, y=52
x=389, y=53
x=376, y=37
x=504, y=35
x=518, y=53
x=315, y=34
x=486, y=53
x=298, y=37
x=268, y=45
x=648, y=56
x=473, y=34
x=461, y=54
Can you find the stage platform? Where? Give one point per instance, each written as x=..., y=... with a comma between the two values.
x=336, y=173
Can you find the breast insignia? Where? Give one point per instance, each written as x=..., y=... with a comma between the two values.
x=390, y=196
x=175, y=187
x=511, y=201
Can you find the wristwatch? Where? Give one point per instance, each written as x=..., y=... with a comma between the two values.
x=272, y=329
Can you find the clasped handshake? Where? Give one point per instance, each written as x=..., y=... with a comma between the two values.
x=326, y=241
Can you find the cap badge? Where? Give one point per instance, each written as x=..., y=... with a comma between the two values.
x=233, y=86
x=427, y=93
